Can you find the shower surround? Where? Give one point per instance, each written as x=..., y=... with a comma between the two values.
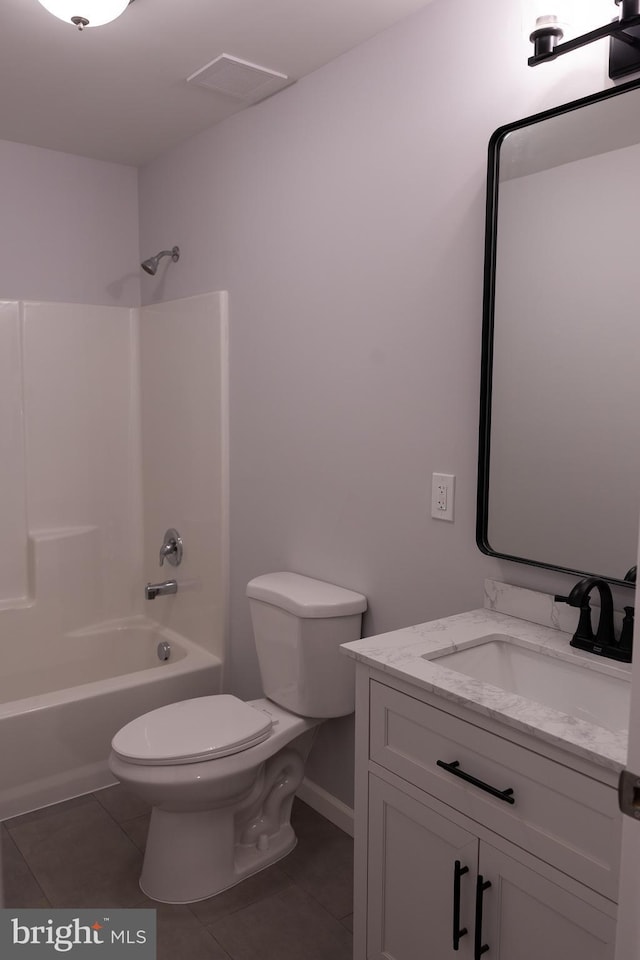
x=113, y=429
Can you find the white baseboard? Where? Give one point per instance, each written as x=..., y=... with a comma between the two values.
x=326, y=805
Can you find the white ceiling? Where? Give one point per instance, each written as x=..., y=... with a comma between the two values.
x=119, y=92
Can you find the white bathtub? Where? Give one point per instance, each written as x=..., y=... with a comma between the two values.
x=58, y=714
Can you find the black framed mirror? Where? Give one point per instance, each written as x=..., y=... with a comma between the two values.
x=559, y=456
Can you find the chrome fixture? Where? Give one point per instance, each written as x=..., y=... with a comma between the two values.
x=164, y=650
x=86, y=13
x=164, y=589
x=171, y=549
x=624, y=34
x=150, y=266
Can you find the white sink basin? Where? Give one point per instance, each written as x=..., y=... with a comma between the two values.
x=579, y=691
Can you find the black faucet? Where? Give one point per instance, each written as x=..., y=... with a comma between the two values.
x=604, y=642
x=626, y=636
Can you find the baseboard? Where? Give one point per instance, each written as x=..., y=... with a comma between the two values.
x=326, y=805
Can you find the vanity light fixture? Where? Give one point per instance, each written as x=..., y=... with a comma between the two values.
x=624, y=34
x=86, y=13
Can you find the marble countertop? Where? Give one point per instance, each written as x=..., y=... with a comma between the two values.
x=402, y=653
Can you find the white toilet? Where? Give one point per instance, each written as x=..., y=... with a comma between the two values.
x=221, y=774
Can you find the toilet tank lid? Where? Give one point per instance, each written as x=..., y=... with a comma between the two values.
x=304, y=596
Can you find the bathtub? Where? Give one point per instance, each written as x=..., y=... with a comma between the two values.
x=59, y=713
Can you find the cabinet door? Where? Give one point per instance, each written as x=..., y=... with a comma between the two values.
x=526, y=916
x=412, y=880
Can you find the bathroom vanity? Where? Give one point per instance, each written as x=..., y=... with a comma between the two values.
x=487, y=819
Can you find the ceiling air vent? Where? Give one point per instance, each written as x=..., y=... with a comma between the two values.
x=240, y=79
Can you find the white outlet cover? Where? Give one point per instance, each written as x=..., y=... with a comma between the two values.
x=442, y=496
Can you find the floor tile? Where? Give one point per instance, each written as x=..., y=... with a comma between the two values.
x=181, y=937
x=44, y=812
x=121, y=804
x=21, y=888
x=88, y=852
x=322, y=862
x=288, y=926
x=79, y=855
x=260, y=885
x=137, y=830
x=310, y=825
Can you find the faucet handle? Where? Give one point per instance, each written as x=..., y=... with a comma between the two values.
x=171, y=549
x=625, y=643
x=584, y=631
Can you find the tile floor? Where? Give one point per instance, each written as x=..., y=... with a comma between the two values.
x=88, y=852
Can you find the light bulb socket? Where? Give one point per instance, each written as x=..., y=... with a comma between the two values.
x=629, y=8
x=546, y=36
x=80, y=22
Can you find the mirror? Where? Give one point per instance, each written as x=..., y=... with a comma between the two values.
x=559, y=463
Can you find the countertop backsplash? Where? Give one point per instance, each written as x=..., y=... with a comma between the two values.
x=537, y=607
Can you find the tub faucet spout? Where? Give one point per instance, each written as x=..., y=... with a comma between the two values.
x=153, y=590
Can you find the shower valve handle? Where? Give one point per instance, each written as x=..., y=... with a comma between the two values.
x=171, y=549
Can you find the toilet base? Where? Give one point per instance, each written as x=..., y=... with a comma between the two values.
x=190, y=877
x=194, y=855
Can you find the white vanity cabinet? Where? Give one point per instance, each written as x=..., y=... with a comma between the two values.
x=474, y=839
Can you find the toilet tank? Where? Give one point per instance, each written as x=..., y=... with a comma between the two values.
x=298, y=626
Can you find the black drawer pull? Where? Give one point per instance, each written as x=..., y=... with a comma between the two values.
x=454, y=768
x=457, y=932
x=479, y=946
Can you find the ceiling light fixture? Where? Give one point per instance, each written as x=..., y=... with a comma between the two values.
x=624, y=34
x=86, y=13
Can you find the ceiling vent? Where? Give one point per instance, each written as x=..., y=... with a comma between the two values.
x=239, y=79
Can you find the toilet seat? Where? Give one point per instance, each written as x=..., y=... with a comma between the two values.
x=192, y=731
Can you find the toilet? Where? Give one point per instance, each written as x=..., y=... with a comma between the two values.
x=219, y=773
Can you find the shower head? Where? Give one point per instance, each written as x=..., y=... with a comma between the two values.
x=151, y=265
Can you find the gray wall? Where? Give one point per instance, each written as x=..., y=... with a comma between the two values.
x=346, y=218
x=69, y=228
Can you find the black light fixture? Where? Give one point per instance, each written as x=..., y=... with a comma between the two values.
x=623, y=33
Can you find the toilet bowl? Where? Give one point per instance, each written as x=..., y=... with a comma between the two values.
x=214, y=821
x=220, y=774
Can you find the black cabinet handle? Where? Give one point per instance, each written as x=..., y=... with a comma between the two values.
x=459, y=871
x=454, y=768
x=479, y=946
